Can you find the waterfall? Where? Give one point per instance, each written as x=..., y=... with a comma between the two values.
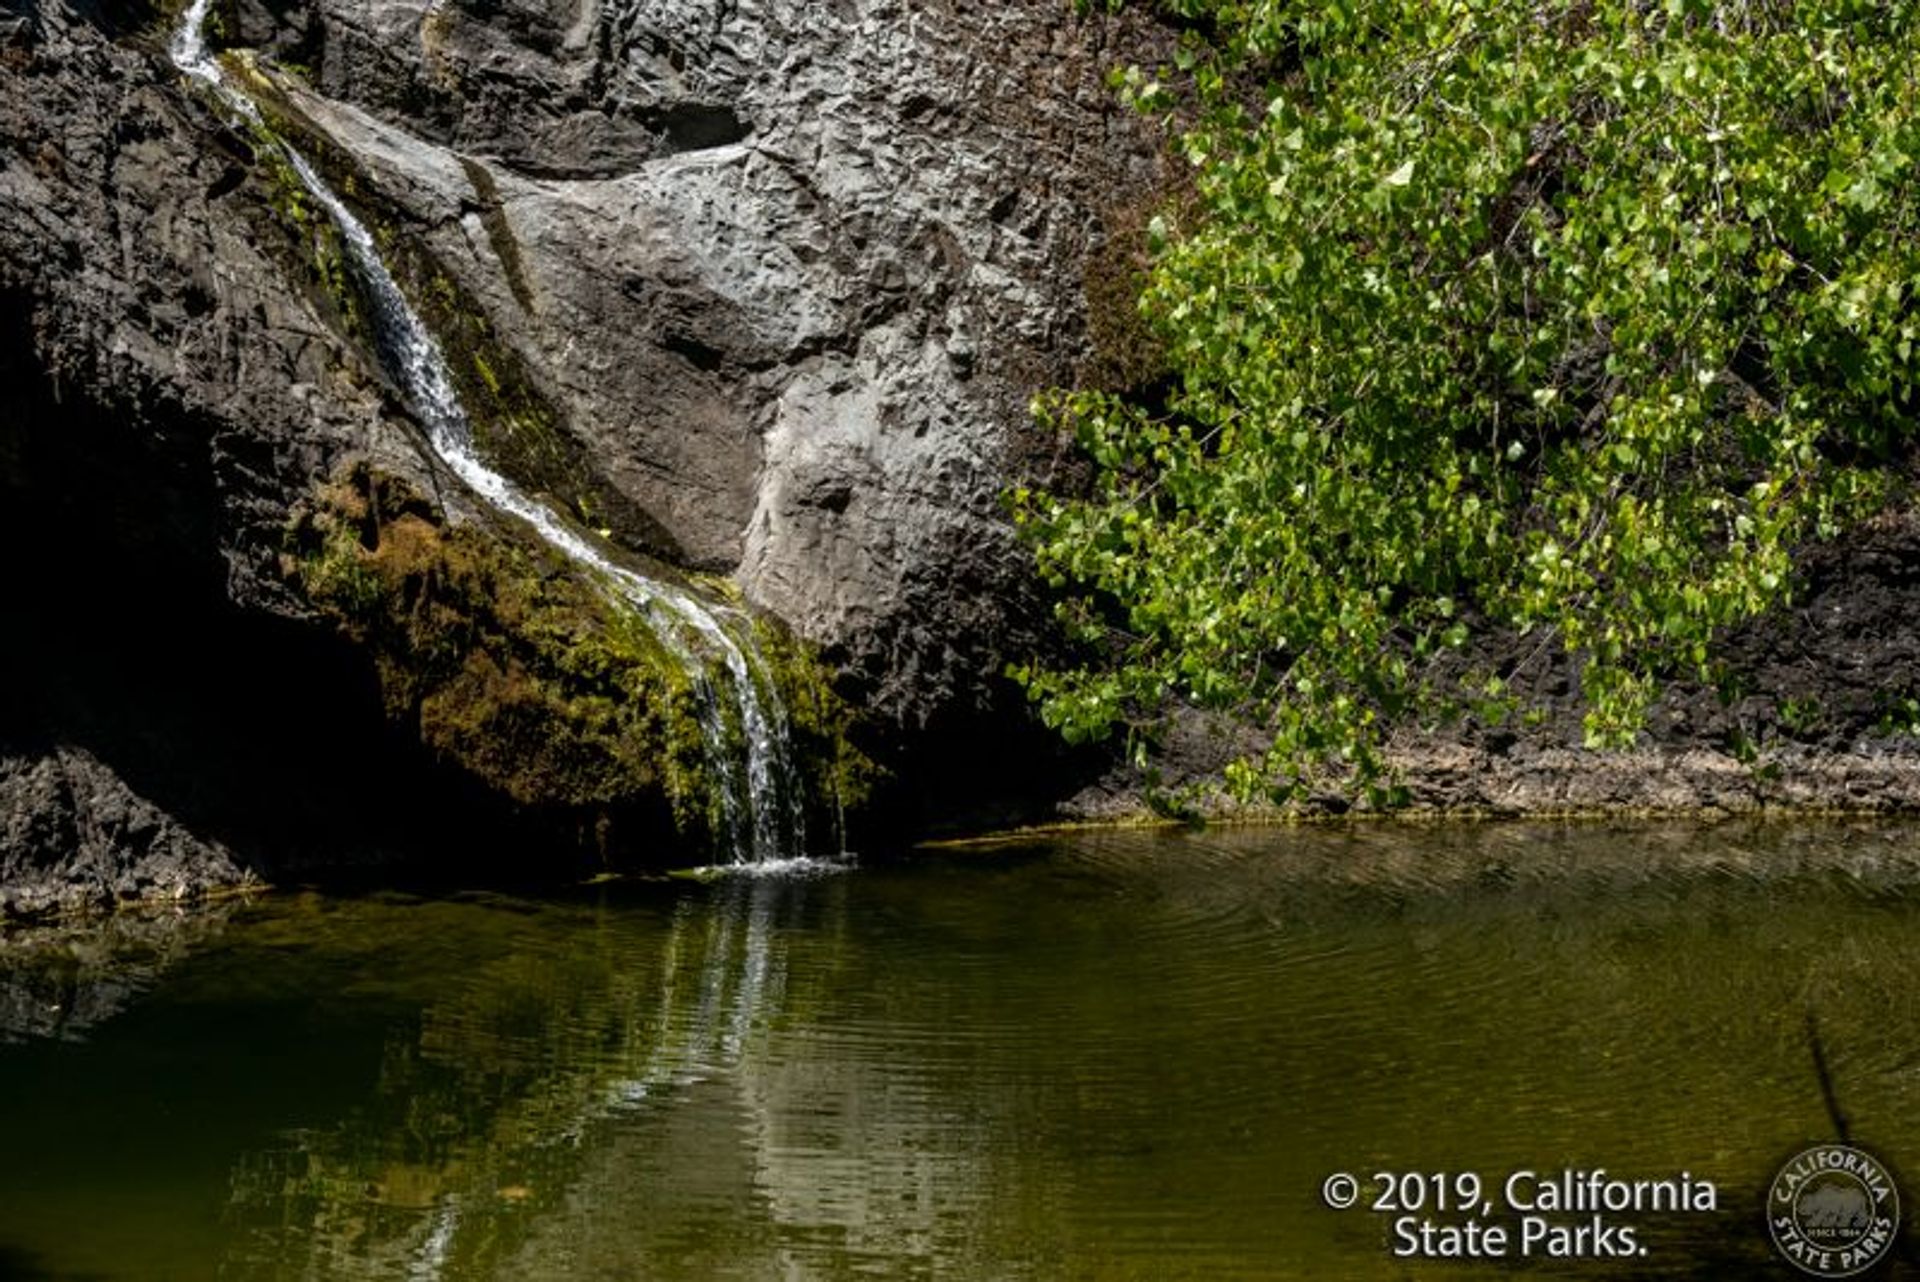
x=761, y=818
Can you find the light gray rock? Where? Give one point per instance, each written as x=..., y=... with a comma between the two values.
x=793, y=273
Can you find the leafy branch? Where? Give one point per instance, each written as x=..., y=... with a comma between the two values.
x=1571, y=318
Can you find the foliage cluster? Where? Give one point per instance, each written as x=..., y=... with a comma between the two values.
x=1574, y=317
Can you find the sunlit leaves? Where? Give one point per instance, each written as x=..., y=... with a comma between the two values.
x=1572, y=318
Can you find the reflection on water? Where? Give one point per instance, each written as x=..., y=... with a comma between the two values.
x=60, y=981
x=1113, y=1056
x=489, y=1114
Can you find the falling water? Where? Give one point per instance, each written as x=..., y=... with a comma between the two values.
x=760, y=819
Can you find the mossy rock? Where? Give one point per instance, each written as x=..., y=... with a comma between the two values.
x=837, y=778
x=501, y=656
x=1126, y=353
x=511, y=665
x=292, y=225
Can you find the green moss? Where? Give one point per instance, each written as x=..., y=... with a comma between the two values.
x=487, y=376
x=502, y=659
x=509, y=664
x=837, y=777
x=316, y=257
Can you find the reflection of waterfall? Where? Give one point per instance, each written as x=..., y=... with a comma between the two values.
x=431, y=1261
x=742, y=722
x=540, y=1062
x=739, y=976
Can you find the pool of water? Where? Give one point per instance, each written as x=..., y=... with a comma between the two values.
x=1124, y=1055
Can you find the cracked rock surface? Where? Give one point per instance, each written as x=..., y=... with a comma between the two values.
x=793, y=271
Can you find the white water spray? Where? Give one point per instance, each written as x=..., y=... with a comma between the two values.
x=760, y=820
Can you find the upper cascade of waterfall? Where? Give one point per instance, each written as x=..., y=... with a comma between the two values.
x=743, y=724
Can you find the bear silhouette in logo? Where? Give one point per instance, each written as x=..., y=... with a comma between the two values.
x=1833, y=1206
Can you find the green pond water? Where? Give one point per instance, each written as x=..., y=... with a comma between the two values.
x=1125, y=1055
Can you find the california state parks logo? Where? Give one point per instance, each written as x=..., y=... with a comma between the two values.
x=1833, y=1211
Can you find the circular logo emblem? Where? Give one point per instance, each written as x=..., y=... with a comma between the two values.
x=1833, y=1211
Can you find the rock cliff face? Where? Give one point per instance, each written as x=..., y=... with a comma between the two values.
x=167, y=396
x=784, y=275
x=791, y=271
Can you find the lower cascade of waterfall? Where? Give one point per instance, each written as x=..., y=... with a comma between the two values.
x=743, y=724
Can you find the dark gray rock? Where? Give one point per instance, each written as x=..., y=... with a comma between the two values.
x=166, y=396
x=73, y=835
x=150, y=295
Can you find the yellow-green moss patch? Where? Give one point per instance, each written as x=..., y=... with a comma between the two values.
x=502, y=659
x=511, y=664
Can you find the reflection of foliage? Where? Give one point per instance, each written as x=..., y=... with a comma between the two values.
x=1573, y=317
